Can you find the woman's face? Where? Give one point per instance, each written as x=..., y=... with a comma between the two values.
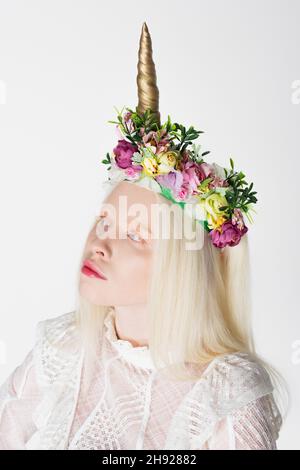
x=120, y=247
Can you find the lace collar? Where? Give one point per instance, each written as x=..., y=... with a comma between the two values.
x=137, y=355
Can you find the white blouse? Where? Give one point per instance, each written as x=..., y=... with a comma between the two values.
x=47, y=402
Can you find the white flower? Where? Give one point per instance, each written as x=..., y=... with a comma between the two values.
x=137, y=157
x=149, y=183
x=218, y=170
x=197, y=151
x=149, y=151
x=221, y=190
x=116, y=174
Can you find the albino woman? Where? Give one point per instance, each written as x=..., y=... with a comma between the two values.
x=159, y=352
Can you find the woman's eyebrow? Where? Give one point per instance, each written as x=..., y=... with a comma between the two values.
x=103, y=214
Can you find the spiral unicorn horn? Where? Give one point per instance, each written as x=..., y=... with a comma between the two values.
x=148, y=94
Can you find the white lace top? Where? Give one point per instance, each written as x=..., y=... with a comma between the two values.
x=46, y=402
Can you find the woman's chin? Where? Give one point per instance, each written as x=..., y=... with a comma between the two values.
x=88, y=293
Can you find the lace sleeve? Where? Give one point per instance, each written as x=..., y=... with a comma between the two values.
x=18, y=397
x=254, y=426
x=231, y=406
x=41, y=388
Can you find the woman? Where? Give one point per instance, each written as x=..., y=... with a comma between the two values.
x=159, y=352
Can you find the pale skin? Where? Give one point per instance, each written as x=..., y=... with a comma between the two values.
x=125, y=262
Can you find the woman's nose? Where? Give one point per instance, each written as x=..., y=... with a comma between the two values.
x=101, y=248
x=102, y=238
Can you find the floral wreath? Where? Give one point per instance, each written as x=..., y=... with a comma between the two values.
x=164, y=159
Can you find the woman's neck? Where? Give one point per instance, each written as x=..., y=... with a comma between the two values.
x=132, y=323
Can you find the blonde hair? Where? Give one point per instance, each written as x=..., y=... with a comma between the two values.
x=199, y=307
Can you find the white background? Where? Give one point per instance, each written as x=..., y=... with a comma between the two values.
x=226, y=67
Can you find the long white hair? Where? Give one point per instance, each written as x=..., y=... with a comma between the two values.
x=199, y=306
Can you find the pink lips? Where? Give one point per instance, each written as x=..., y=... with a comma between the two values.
x=91, y=270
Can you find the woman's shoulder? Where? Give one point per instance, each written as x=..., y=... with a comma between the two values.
x=233, y=380
x=56, y=348
x=238, y=364
x=54, y=328
x=235, y=385
x=242, y=368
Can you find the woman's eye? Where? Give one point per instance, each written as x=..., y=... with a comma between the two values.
x=101, y=220
x=135, y=237
x=132, y=235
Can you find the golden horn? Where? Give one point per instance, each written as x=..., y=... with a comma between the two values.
x=148, y=94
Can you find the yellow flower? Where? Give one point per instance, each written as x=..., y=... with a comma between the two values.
x=167, y=161
x=215, y=222
x=214, y=216
x=150, y=166
x=204, y=189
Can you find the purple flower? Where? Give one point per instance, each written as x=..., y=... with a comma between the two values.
x=123, y=152
x=227, y=234
x=172, y=180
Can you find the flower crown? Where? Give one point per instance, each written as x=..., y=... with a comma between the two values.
x=164, y=159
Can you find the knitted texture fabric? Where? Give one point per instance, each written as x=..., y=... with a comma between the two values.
x=47, y=403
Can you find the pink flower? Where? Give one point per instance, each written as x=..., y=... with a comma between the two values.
x=191, y=177
x=182, y=194
x=205, y=170
x=193, y=173
x=118, y=132
x=161, y=143
x=129, y=123
x=202, y=170
x=237, y=219
x=227, y=234
x=123, y=152
x=133, y=171
x=127, y=116
x=217, y=182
